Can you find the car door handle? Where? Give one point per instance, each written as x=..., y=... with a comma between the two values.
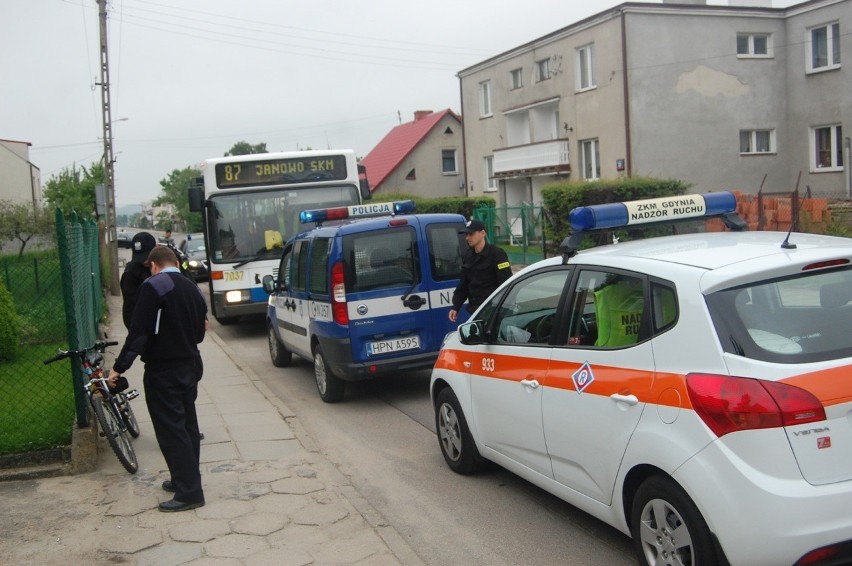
x=627, y=399
x=531, y=383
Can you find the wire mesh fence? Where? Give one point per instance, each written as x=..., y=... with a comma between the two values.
x=57, y=302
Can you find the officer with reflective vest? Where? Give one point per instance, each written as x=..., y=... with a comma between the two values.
x=484, y=268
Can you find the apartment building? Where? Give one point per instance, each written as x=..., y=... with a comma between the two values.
x=20, y=180
x=722, y=97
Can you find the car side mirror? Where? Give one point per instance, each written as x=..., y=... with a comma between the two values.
x=471, y=333
x=269, y=284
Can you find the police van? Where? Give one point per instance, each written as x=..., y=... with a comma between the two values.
x=365, y=292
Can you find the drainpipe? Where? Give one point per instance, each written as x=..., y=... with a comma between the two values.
x=628, y=166
x=464, y=143
x=847, y=165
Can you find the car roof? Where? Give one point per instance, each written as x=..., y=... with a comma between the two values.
x=725, y=258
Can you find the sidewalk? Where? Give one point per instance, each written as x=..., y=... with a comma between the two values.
x=272, y=497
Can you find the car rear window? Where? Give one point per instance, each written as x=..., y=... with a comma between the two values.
x=799, y=319
x=386, y=258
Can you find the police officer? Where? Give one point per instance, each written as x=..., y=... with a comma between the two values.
x=135, y=272
x=168, y=323
x=484, y=268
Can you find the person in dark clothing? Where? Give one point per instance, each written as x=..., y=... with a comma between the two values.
x=135, y=272
x=484, y=268
x=168, y=323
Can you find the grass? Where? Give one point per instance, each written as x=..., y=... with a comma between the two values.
x=37, y=409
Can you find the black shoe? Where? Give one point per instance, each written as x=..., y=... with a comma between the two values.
x=173, y=505
x=169, y=486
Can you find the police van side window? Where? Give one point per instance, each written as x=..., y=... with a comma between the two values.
x=446, y=247
x=607, y=310
x=381, y=259
x=319, y=266
x=299, y=267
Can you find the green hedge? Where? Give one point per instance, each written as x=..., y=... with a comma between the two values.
x=452, y=205
x=560, y=198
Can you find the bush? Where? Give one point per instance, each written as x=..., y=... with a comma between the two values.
x=453, y=205
x=560, y=198
x=10, y=330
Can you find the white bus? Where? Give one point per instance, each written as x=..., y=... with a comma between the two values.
x=250, y=205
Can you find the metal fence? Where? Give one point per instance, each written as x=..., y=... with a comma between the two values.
x=517, y=229
x=58, y=300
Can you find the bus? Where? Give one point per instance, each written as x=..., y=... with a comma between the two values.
x=250, y=205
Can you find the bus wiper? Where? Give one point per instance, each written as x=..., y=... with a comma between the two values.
x=245, y=261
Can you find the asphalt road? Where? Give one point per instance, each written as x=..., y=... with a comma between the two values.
x=382, y=437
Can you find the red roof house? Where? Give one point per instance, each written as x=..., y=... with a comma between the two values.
x=423, y=157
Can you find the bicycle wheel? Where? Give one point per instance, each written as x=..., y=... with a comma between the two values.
x=115, y=432
x=127, y=414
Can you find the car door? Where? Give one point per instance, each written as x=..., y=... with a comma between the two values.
x=597, y=381
x=296, y=333
x=442, y=266
x=507, y=377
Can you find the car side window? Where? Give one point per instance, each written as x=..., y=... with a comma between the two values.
x=528, y=314
x=299, y=266
x=319, y=266
x=607, y=310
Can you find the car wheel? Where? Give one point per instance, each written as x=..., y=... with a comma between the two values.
x=330, y=387
x=280, y=355
x=667, y=527
x=454, y=436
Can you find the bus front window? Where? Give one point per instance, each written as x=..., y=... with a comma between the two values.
x=257, y=224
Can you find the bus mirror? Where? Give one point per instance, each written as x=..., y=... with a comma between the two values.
x=196, y=199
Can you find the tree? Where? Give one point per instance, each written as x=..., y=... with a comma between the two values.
x=174, y=192
x=23, y=221
x=74, y=190
x=245, y=148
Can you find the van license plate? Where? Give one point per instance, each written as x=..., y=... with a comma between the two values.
x=394, y=345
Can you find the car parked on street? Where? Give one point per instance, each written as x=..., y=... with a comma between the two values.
x=124, y=238
x=693, y=391
x=194, y=246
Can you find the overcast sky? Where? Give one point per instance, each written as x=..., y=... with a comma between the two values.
x=191, y=78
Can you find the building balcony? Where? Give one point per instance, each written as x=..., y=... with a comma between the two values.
x=540, y=158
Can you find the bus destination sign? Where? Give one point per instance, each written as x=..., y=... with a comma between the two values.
x=280, y=171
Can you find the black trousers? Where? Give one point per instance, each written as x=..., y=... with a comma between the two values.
x=170, y=392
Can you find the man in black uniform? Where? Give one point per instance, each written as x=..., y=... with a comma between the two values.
x=135, y=272
x=168, y=323
x=484, y=268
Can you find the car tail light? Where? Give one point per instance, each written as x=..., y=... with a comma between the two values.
x=729, y=404
x=338, y=294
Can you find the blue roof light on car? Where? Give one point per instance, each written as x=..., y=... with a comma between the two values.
x=666, y=209
x=357, y=211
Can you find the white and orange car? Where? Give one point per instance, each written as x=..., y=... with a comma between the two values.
x=693, y=391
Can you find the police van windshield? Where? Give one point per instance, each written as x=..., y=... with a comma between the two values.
x=806, y=318
x=381, y=259
x=256, y=225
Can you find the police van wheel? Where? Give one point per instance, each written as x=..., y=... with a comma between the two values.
x=280, y=355
x=660, y=508
x=330, y=387
x=454, y=436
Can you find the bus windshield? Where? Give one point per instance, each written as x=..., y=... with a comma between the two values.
x=255, y=225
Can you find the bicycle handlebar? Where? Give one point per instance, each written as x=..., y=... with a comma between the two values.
x=99, y=346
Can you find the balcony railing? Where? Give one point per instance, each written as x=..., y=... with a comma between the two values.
x=533, y=159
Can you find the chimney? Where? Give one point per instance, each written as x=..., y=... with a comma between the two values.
x=420, y=114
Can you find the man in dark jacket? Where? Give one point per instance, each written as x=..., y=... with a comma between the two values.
x=484, y=268
x=135, y=272
x=168, y=323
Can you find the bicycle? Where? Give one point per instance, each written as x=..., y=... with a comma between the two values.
x=112, y=409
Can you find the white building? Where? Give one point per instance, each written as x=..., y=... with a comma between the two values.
x=20, y=180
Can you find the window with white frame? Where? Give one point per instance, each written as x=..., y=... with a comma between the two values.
x=586, y=67
x=757, y=141
x=448, y=162
x=542, y=68
x=827, y=148
x=754, y=45
x=490, y=182
x=485, y=99
x=516, y=78
x=590, y=154
x=823, y=47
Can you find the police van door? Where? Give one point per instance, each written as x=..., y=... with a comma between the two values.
x=442, y=264
x=295, y=326
x=597, y=381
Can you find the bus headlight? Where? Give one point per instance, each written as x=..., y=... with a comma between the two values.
x=242, y=296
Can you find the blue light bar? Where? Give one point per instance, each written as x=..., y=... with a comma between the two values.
x=356, y=211
x=666, y=209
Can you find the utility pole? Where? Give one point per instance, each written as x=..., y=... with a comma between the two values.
x=109, y=161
